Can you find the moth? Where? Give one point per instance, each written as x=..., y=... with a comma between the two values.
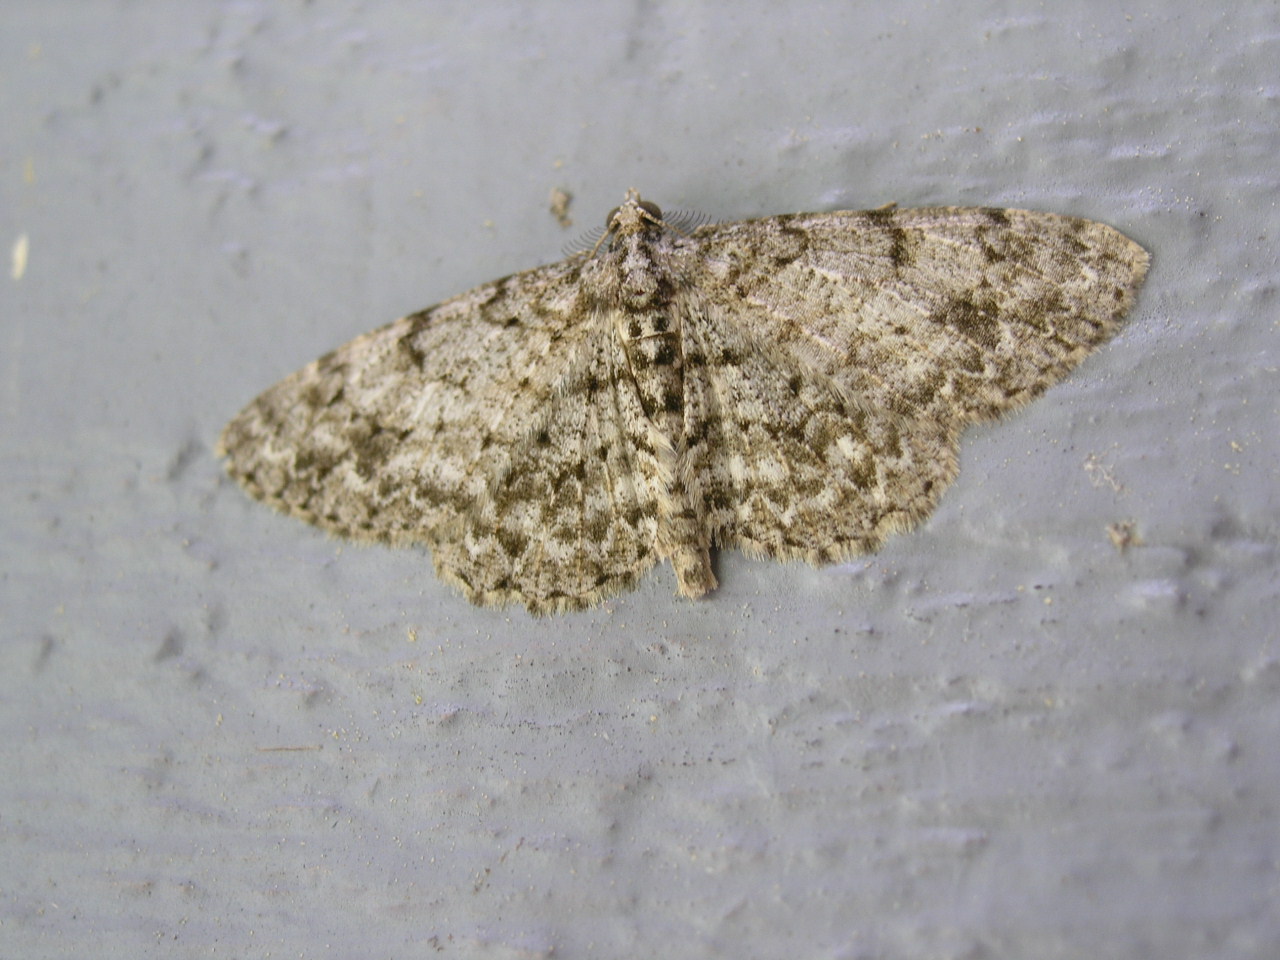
x=794, y=387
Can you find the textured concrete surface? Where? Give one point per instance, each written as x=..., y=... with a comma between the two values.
x=222, y=735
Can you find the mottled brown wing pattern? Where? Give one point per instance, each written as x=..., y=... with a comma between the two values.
x=791, y=465
x=571, y=517
x=403, y=429
x=950, y=312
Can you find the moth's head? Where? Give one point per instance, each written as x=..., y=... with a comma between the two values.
x=634, y=216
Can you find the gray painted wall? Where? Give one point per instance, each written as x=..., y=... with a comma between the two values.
x=223, y=735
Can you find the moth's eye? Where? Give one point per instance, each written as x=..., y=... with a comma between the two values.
x=608, y=221
x=652, y=209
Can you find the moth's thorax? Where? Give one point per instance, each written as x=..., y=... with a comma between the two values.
x=639, y=276
x=641, y=268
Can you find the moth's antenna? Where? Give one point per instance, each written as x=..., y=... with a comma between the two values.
x=586, y=243
x=685, y=222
